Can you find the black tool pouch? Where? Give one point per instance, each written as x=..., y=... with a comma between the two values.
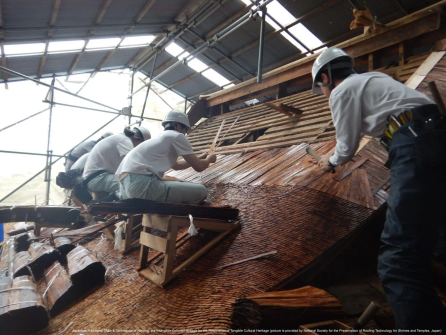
x=81, y=191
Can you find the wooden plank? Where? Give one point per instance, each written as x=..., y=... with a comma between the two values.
x=424, y=69
x=169, y=257
x=208, y=246
x=352, y=167
x=159, y=222
x=202, y=223
x=154, y=242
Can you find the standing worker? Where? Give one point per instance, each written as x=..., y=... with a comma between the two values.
x=374, y=104
x=142, y=171
x=82, y=149
x=104, y=159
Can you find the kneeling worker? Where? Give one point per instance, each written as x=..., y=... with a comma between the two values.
x=365, y=104
x=104, y=159
x=142, y=170
x=83, y=149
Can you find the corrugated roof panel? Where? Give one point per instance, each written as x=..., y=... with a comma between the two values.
x=121, y=57
x=276, y=49
x=382, y=8
x=162, y=58
x=26, y=13
x=194, y=86
x=123, y=11
x=299, y=8
x=90, y=60
x=77, y=12
x=31, y=36
x=242, y=36
x=219, y=16
x=331, y=23
x=58, y=63
x=164, y=11
x=177, y=74
x=27, y=65
x=226, y=64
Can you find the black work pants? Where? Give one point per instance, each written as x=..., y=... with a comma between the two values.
x=415, y=217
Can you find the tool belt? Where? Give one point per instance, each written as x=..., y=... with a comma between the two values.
x=426, y=115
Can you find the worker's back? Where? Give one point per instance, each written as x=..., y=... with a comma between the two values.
x=108, y=154
x=156, y=155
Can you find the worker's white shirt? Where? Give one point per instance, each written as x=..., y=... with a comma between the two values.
x=108, y=154
x=80, y=163
x=83, y=148
x=360, y=106
x=156, y=155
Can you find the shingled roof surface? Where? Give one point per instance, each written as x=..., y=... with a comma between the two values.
x=286, y=204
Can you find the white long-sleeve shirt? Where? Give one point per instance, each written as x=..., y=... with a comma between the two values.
x=361, y=104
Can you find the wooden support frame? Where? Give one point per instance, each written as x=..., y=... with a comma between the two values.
x=162, y=276
x=411, y=26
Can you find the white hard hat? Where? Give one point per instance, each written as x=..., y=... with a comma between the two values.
x=176, y=116
x=323, y=62
x=107, y=134
x=144, y=132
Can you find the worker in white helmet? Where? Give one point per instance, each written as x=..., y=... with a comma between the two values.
x=141, y=173
x=82, y=149
x=104, y=159
x=414, y=132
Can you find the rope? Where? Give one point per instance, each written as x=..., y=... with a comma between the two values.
x=18, y=303
x=55, y=266
x=51, y=282
x=18, y=288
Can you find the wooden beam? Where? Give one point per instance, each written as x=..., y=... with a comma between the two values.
x=55, y=11
x=52, y=22
x=424, y=69
x=98, y=19
x=401, y=54
x=406, y=28
x=144, y=10
x=138, y=18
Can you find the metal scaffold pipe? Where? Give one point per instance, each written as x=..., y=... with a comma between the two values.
x=55, y=88
x=54, y=162
x=99, y=110
x=219, y=36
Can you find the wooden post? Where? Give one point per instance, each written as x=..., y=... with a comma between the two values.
x=371, y=62
x=402, y=59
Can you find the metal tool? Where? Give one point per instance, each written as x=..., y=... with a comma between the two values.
x=315, y=155
x=368, y=315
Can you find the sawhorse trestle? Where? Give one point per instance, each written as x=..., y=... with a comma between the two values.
x=166, y=245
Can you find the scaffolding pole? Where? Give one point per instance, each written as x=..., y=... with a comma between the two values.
x=27, y=118
x=53, y=87
x=217, y=38
x=261, y=45
x=54, y=162
x=98, y=110
x=27, y=153
x=148, y=87
x=48, y=151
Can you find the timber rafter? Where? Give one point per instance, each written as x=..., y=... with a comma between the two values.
x=411, y=26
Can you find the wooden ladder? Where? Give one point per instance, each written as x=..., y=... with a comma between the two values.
x=170, y=224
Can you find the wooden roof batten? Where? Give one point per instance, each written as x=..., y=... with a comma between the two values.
x=137, y=19
x=406, y=28
x=97, y=21
x=52, y=22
